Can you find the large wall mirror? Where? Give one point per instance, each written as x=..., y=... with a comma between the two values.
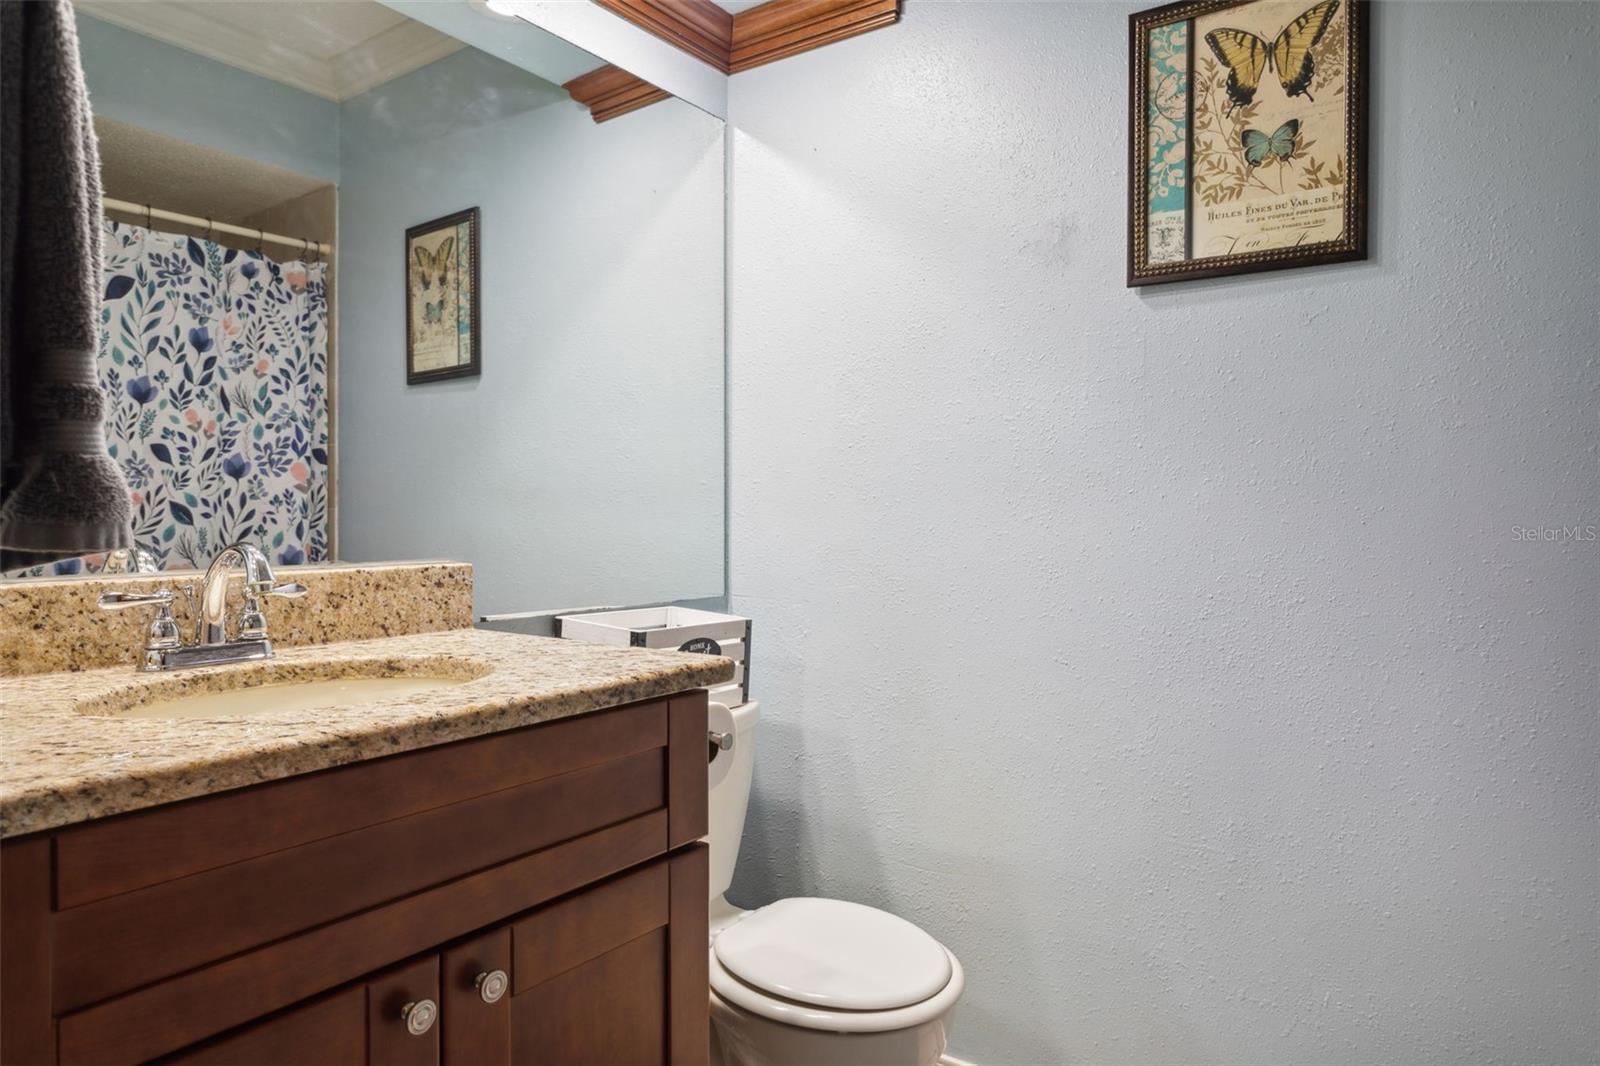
x=407, y=281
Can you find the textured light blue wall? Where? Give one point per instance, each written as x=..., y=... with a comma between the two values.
x=585, y=465
x=1172, y=654
x=148, y=83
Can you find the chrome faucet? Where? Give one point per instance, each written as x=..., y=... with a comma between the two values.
x=164, y=650
x=211, y=620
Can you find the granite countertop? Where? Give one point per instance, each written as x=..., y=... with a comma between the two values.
x=65, y=757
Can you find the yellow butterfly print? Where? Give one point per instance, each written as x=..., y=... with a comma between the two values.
x=1246, y=55
x=434, y=267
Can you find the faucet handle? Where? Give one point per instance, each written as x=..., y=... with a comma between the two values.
x=252, y=623
x=121, y=601
x=163, y=631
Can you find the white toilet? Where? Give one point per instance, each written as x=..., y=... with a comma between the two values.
x=806, y=982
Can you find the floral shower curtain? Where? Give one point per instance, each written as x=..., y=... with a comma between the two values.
x=215, y=365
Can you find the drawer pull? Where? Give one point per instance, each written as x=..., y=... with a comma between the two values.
x=492, y=985
x=419, y=1016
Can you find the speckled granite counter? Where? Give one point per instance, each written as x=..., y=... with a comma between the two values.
x=52, y=624
x=60, y=762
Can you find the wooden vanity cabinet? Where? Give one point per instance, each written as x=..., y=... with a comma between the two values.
x=540, y=892
x=582, y=980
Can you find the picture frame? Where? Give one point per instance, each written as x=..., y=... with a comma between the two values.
x=443, y=302
x=1229, y=177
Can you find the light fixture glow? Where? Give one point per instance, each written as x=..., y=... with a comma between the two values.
x=496, y=9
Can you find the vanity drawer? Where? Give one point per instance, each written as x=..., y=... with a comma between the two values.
x=115, y=944
x=121, y=854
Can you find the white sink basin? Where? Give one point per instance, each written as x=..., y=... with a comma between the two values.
x=279, y=687
x=304, y=696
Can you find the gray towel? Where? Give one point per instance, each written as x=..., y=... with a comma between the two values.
x=63, y=494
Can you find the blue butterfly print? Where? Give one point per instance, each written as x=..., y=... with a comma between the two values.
x=1259, y=148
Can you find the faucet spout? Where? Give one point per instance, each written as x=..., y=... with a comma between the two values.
x=163, y=650
x=211, y=624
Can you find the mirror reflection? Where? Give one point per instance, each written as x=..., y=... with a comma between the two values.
x=370, y=291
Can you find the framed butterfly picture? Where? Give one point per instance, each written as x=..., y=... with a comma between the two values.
x=442, y=298
x=1247, y=137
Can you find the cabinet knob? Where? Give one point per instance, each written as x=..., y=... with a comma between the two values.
x=419, y=1016
x=492, y=985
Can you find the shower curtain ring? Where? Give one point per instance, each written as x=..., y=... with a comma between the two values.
x=261, y=237
x=211, y=229
x=149, y=217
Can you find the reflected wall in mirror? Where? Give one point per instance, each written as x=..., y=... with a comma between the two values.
x=262, y=163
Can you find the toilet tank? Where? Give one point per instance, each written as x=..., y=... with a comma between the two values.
x=728, y=781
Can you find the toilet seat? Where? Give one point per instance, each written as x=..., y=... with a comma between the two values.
x=836, y=966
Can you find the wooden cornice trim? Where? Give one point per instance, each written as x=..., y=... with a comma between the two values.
x=611, y=91
x=781, y=28
x=699, y=27
x=774, y=30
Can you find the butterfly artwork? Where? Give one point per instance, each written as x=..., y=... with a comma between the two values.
x=1261, y=147
x=1247, y=56
x=433, y=267
x=442, y=312
x=1247, y=121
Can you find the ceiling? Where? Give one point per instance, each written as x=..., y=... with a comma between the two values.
x=735, y=6
x=334, y=49
x=144, y=166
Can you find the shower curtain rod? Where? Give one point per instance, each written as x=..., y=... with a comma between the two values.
x=153, y=213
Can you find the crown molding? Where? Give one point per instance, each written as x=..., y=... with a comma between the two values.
x=782, y=28
x=398, y=50
x=757, y=35
x=611, y=91
x=699, y=27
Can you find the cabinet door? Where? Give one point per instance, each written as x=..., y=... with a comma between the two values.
x=403, y=1015
x=615, y=975
x=476, y=1000
x=608, y=1011
x=331, y=1031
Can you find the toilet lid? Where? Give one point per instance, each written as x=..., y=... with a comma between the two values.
x=834, y=954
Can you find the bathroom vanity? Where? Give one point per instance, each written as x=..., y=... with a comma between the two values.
x=333, y=822
x=503, y=867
